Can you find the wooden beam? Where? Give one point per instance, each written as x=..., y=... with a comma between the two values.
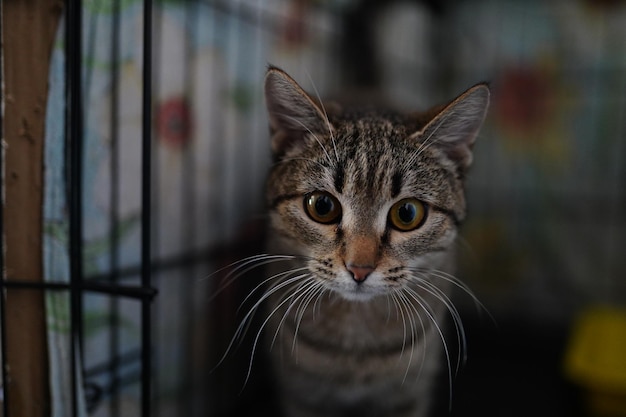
x=28, y=31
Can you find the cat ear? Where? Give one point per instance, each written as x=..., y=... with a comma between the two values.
x=292, y=112
x=455, y=126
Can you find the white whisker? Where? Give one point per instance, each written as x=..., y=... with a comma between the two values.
x=316, y=288
x=424, y=145
x=265, y=281
x=326, y=119
x=294, y=296
x=245, y=321
x=395, y=296
x=317, y=139
x=242, y=267
x=459, y=284
x=429, y=312
x=454, y=313
x=258, y=335
x=403, y=299
x=317, y=301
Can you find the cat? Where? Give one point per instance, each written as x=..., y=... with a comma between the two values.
x=364, y=209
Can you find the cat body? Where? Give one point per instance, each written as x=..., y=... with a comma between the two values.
x=364, y=209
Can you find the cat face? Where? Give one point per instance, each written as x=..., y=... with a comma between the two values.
x=367, y=199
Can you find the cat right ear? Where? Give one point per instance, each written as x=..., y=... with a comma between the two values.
x=293, y=114
x=455, y=126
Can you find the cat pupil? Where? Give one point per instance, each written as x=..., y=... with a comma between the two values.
x=407, y=212
x=324, y=205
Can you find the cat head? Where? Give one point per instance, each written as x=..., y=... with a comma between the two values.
x=367, y=198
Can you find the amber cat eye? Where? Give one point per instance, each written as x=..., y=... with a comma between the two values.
x=322, y=207
x=407, y=214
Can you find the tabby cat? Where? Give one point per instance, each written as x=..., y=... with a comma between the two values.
x=364, y=208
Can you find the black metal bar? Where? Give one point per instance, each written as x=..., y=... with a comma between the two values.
x=3, y=334
x=155, y=236
x=146, y=204
x=114, y=340
x=140, y=293
x=73, y=138
x=210, y=254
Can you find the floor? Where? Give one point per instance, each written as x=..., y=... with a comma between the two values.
x=513, y=370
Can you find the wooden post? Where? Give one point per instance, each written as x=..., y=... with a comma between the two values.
x=28, y=31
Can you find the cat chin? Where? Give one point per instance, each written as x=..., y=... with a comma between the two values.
x=358, y=298
x=358, y=295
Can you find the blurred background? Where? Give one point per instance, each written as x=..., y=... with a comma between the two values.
x=543, y=247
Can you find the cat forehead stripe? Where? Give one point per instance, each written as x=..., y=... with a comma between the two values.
x=339, y=178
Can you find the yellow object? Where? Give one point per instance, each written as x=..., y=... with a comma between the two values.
x=596, y=360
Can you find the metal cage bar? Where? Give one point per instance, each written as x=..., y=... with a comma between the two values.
x=107, y=284
x=146, y=204
x=74, y=146
x=3, y=332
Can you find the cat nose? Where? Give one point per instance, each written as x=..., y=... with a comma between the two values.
x=359, y=273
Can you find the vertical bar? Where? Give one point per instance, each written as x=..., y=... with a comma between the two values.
x=73, y=137
x=3, y=329
x=146, y=201
x=156, y=45
x=188, y=237
x=114, y=341
x=3, y=333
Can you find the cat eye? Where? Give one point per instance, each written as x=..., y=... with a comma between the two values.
x=407, y=214
x=322, y=207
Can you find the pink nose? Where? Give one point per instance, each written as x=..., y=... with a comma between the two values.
x=359, y=273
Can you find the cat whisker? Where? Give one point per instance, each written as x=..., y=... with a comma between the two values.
x=400, y=312
x=242, y=262
x=407, y=304
x=326, y=119
x=426, y=308
x=459, y=284
x=266, y=321
x=317, y=303
x=317, y=139
x=241, y=267
x=244, y=324
x=265, y=281
x=423, y=332
x=427, y=142
x=296, y=294
x=315, y=289
x=388, y=308
x=424, y=145
x=254, y=308
x=454, y=313
x=302, y=294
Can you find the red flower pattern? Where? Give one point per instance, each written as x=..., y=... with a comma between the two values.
x=173, y=122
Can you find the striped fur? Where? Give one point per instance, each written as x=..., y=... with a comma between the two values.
x=342, y=347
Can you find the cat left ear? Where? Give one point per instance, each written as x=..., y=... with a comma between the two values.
x=293, y=114
x=455, y=127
